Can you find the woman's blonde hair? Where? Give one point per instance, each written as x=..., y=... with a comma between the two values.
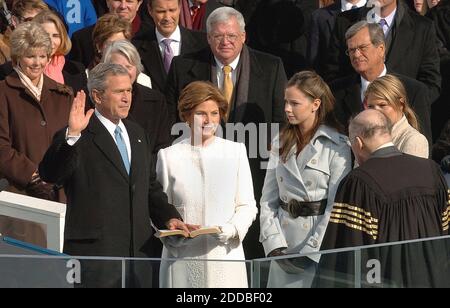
x=50, y=17
x=313, y=87
x=198, y=92
x=28, y=36
x=390, y=89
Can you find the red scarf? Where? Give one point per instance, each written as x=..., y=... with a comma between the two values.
x=186, y=18
x=54, y=68
x=135, y=25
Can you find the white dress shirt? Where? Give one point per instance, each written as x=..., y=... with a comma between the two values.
x=365, y=83
x=389, y=21
x=175, y=44
x=110, y=127
x=220, y=74
x=346, y=6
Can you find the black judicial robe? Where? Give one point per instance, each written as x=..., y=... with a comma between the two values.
x=391, y=197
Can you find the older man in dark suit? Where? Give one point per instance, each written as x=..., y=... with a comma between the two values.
x=411, y=43
x=366, y=50
x=158, y=46
x=104, y=163
x=253, y=82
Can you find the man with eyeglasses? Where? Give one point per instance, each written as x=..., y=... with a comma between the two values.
x=157, y=47
x=410, y=43
x=366, y=51
x=253, y=83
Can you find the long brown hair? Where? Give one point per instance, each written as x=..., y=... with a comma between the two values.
x=313, y=86
x=389, y=88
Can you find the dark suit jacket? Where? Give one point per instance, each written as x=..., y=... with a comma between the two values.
x=149, y=110
x=265, y=102
x=321, y=29
x=74, y=74
x=108, y=211
x=148, y=47
x=347, y=92
x=82, y=46
x=413, y=51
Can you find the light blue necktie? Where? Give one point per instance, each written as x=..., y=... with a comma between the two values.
x=122, y=148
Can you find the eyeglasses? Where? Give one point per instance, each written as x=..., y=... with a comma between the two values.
x=360, y=48
x=218, y=38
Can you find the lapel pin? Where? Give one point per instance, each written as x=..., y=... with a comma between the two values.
x=139, y=140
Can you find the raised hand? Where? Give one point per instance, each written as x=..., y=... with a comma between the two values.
x=78, y=120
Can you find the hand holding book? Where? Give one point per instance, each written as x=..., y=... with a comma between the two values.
x=191, y=234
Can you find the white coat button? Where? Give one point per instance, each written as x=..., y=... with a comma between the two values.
x=305, y=226
x=314, y=243
x=43, y=123
x=284, y=198
x=314, y=161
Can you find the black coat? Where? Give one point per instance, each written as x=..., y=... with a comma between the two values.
x=149, y=110
x=321, y=29
x=108, y=211
x=148, y=47
x=265, y=102
x=347, y=92
x=74, y=74
x=413, y=51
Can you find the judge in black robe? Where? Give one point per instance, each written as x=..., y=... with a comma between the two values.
x=391, y=197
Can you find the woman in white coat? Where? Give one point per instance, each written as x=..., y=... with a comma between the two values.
x=308, y=160
x=208, y=180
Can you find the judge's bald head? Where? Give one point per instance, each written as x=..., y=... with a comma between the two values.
x=368, y=131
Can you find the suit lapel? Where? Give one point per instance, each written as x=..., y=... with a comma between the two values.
x=153, y=62
x=105, y=143
x=401, y=40
x=137, y=153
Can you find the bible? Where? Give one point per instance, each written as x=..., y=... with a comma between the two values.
x=192, y=234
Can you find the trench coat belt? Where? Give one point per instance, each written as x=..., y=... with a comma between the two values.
x=304, y=208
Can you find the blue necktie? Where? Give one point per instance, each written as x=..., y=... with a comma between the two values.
x=122, y=148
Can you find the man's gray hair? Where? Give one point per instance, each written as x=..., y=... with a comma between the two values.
x=222, y=15
x=375, y=32
x=377, y=126
x=126, y=49
x=99, y=74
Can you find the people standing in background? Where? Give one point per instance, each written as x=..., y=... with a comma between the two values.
x=193, y=13
x=78, y=14
x=158, y=46
x=82, y=49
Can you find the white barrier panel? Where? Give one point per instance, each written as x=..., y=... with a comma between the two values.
x=49, y=213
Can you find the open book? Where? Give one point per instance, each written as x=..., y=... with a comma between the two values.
x=192, y=234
